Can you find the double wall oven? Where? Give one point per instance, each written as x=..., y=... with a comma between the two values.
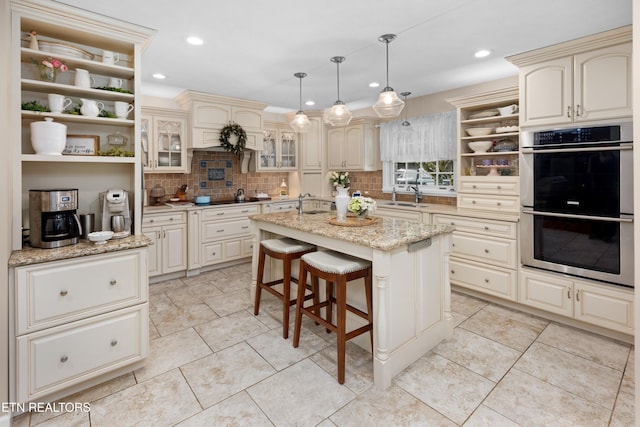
x=577, y=201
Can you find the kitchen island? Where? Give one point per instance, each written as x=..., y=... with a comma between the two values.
x=411, y=291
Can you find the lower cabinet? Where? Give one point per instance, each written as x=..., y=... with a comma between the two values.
x=168, y=247
x=280, y=206
x=598, y=304
x=77, y=320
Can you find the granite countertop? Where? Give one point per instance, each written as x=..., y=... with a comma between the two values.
x=29, y=255
x=383, y=234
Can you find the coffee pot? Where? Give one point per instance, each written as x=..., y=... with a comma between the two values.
x=90, y=107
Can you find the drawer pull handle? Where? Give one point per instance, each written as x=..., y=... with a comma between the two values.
x=220, y=231
x=63, y=293
x=170, y=219
x=245, y=227
x=568, y=293
x=114, y=343
x=486, y=251
x=486, y=280
x=499, y=204
x=499, y=187
x=113, y=282
x=578, y=295
x=220, y=213
x=64, y=358
x=453, y=223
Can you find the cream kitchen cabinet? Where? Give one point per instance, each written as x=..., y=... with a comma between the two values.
x=484, y=255
x=280, y=206
x=193, y=239
x=312, y=146
x=598, y=304
x=77, y=320
x=164, y=141
x=168, y=247
x=225, y=233
x=354, y=147
x=279, y=149
x=210, y=113
x=582, y=80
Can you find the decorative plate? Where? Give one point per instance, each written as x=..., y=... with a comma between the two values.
x=353, y=221
x=483, y=114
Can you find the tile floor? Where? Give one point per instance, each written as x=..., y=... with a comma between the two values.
x=212, y=363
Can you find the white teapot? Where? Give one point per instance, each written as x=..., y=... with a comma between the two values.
x=90, y=107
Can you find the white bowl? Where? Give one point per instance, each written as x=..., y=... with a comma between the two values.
x=480, y=146
x=100, y=237
x=479, y=131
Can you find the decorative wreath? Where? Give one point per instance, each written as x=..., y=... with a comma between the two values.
x=225, y=134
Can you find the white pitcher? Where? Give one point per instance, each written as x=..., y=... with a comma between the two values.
x=90, y=107
x=83, y=79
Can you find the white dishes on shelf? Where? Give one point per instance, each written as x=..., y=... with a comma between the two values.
x=100, y=237
x=480, y=146
x=505, y=129
x=479, y=131
x=64, y=49
x=483, y=114
x=48, y=137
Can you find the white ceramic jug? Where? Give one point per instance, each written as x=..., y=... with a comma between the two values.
x=83, y=79
x=90, y=107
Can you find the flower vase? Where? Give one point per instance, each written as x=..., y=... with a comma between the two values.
x=342, y=202
x=47, y=74
x=362, y=215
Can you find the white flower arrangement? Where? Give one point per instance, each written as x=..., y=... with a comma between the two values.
x=339, y=178
x=360, y=204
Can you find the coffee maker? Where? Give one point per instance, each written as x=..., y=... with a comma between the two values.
x=115, y=203
x=53, y=218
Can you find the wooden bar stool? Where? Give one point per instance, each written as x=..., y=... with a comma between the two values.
x=286, y=250
x=337, y=270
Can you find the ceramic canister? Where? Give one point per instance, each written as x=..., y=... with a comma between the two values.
x=48, y=137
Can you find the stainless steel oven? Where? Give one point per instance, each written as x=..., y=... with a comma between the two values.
x=577, y=201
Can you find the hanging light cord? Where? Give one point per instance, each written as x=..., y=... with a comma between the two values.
x=387, y=44
x=338, y=74
x=300, y=103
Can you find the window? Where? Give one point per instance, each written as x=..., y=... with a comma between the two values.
x=423, y=155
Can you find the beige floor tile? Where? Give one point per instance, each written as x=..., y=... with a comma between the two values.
x=193, y=294
x=447, y=387
x=597, y=348
x=457, y=319
x=169, y=318
x=153, y=331
x=68, y=419
x=204, y=278
x=487, y=417
x=624, y=411
x=392, y=407
x=229, y=330
x=234, y=282
x=326, y=423
x=216, y=377
x=465, y=304
x=513, y=329
x=167, y=285
x=172, y=351
x=225, y=304
x=301, y=395
x=628, y=379
x=533, y=402
x=478, y=354
x=280, y=352
x=593, y=382
x=358, y=365
x=238, y=410
x=166, y=399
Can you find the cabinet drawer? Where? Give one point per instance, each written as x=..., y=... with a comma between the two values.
x=489, y=203
x=498, y=251
x=506, y=186
x=211, y=253
x=494, y=280
x=224, y=213
x=57, y=358
x=217, y=230
x=164, y=218
x=50, y=294
x=280, y=207
x=481, y=226
x=399, y=213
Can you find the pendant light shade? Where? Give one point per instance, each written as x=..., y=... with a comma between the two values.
x=300, y=122
x=339, y=114
x=388, y=104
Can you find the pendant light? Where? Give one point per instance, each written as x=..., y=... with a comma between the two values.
x=388, y=104
x=405, y=123
x=339, y=114
x=300, y=122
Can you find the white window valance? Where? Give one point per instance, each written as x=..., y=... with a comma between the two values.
x=431, y=137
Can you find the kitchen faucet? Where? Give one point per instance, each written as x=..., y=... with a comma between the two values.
x=418, y=193
x=300, y=197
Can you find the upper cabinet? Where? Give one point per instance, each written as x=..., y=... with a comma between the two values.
x=279, y=149
x=312, y=145
x=354, y=147
x=163, y=139
x=581, y=80
x=210, y=113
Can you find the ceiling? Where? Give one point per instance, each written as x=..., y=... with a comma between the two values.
x=252, y=48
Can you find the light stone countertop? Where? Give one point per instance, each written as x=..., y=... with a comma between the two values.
x=29, y=255
x=383, y=234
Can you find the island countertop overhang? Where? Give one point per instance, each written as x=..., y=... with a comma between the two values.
x=384, y=234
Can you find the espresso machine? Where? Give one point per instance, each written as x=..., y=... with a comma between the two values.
x=53, y=218
x=115, y=212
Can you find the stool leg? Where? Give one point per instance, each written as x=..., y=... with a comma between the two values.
x=368, y=289
x=341, y=308
x=329, y=308
x=302, y=278
x=315, y=289
x=259, y=281
x=286, y=296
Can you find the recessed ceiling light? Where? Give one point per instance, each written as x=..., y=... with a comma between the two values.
x=482, y=53
x=196, y=41
x=374, y=84
x=310, y=102
x=158, y=76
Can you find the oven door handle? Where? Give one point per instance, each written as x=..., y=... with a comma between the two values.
x=575, y=150
x=561, y=215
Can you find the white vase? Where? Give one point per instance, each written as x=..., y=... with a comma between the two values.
x=342, y=202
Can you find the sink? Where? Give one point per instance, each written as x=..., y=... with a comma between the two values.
x=312, y=212
x=402, y=204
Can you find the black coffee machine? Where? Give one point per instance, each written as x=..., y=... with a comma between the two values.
x=53, y=218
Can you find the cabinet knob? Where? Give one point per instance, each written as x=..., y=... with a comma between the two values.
x=499, y=204
x=213, y=253
x=486, y=251
x=473, y=186
x=453, y=245
x=486, y=228
x=453, y=272
x=473, y=202
x=170, y=219
x=114, y=343
x=453, y=223
x=499, y=187
x=63, y=293
x=64, y=358
x=113, y=282
x=151, y=220
x=486, y=280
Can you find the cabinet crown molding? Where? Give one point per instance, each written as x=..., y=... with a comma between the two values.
x=495, y=96
x=187, y=97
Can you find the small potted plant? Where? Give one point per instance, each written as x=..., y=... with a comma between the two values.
x=48, y=68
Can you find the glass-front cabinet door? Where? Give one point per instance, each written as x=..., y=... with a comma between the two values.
x=288, y=149
x=145, y=136
x=163, y=141
x=268, y=153
x=278, y=150
x=168, y=142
